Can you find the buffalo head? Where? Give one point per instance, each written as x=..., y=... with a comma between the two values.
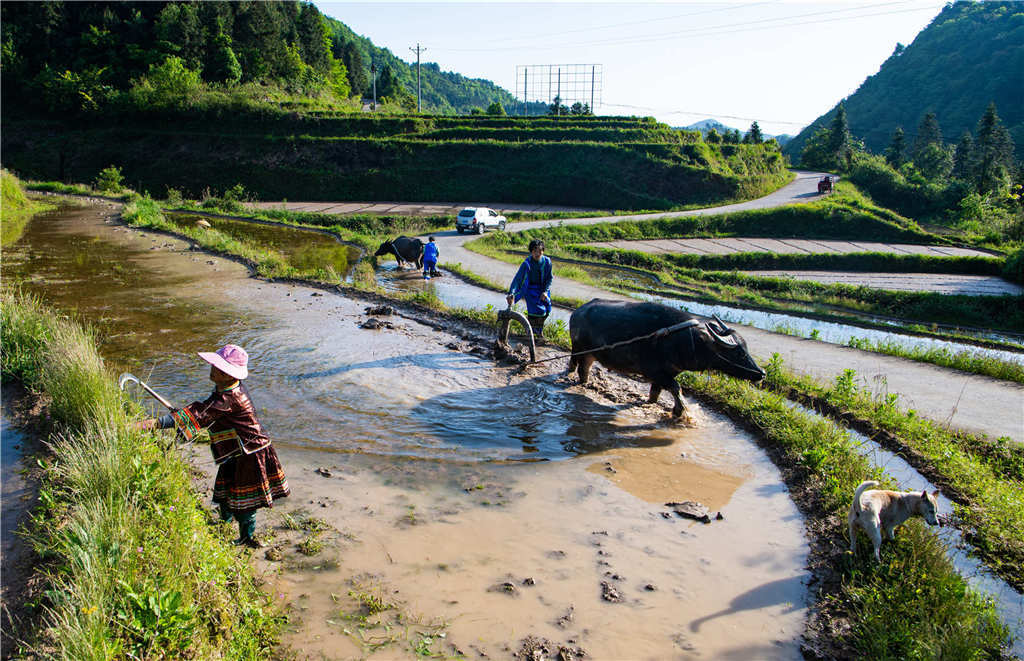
x=727, y=351
x=386, y=248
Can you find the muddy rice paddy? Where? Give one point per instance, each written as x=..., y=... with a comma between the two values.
x=475, y=505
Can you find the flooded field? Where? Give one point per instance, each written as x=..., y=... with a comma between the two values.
x=305, y=249
x=482, y=504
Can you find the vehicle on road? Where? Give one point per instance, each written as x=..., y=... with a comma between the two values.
x=825, y=185
x=478, y=219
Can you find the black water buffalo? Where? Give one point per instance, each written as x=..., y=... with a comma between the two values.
x=692, y=345
x=404, y=249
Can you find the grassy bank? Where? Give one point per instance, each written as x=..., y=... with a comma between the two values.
x=15, y=208
x=970, y=361
x=912, y=606
x=131, y=564
x=650, y=167
x=984, y=476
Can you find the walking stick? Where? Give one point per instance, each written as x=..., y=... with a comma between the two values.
x=127, y=378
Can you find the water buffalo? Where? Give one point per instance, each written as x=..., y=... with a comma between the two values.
x=404, y=249
x=694, y=345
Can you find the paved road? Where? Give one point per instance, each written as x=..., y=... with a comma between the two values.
x=974, y=403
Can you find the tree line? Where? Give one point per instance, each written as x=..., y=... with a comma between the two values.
x=971, y=54
x=976, y=179
x=73, y=58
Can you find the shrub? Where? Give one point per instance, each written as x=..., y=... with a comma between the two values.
x=109, y=180
x=1013, y=268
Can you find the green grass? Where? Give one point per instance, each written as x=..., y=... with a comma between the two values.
x=132, y=564
x=15, y=208
x=279, y=158
x=985, y=475
x=965, y=361
x=920, y=608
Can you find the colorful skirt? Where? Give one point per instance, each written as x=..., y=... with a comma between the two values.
x=250, y=481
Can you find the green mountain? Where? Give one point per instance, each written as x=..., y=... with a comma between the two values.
x=442, y=92
x=971, y=54
x=96, y=57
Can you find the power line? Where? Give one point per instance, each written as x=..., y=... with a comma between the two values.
x=713, y=30
x=619, y=25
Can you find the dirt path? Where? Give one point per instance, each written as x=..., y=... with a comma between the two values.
x=942, y=283
x=728, y=246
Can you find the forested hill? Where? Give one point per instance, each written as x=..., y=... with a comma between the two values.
x=94, y=57
x=970, y=55
x=442, y=92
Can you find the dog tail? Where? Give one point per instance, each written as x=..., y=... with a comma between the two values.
x=860, y=489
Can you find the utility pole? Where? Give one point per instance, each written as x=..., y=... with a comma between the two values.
x=558, y=108
x=592, y=68
x=373, y=74
x=417, y=50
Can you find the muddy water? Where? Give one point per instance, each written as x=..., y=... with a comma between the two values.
x=443, y=476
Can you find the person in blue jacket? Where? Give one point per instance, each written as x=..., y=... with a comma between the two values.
x=533, y=282
x=430, y=255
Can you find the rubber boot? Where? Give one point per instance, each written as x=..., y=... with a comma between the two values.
x=537, y=324
x=247, y=529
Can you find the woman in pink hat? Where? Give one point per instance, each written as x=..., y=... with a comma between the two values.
x=249, y=475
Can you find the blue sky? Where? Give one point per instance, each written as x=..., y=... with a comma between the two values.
x=781, y=63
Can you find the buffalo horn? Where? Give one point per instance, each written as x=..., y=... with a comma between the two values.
x=722, y=329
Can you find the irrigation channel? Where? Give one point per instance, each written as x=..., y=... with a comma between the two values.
x=484, y=503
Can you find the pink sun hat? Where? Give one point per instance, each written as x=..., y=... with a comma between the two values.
x=230, y=359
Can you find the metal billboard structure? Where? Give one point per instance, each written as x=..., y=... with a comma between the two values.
x=570, y=83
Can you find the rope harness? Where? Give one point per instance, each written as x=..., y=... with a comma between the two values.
x=661, y=332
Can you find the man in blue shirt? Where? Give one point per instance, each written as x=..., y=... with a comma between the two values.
x=430, y=255
x=533, y=282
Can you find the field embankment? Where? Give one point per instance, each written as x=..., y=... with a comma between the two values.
x=713, y=278
x=15, y=208
x=130, y=564
x=620, y=164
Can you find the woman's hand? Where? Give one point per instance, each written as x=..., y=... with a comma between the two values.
x=508, y=299
x=143, y=425
x=544, y=297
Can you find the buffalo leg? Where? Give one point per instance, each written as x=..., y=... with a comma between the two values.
x=655, y=392
x=677, y=410
x=583, y=364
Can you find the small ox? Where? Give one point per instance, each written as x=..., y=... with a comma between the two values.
x=404, y=249
x=879, y=511
x=694, y=346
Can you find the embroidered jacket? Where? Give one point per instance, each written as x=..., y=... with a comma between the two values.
x=231, y=418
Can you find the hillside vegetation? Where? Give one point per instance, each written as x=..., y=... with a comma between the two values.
x=971, y=55
x=594, y=162
x=264, y=99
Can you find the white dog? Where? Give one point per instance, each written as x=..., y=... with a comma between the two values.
x=879, y=510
